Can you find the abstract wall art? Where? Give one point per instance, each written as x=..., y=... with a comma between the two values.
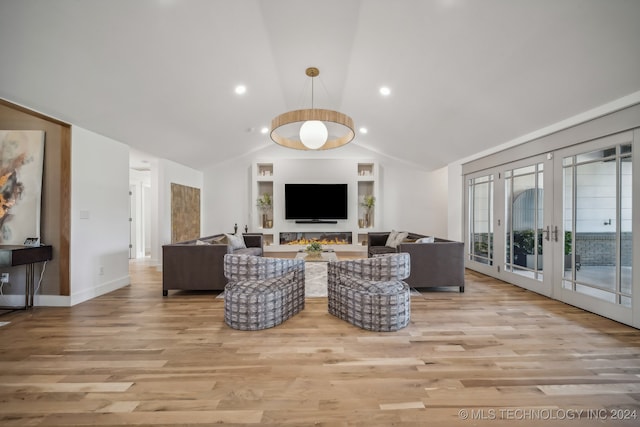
x=21, y=163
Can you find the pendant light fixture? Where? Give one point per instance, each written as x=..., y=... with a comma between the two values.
x=314, y=128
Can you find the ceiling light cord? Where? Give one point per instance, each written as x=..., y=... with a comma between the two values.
x=312, y=72
x=312, y=79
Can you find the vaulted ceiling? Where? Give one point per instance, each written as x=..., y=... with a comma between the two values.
x=465, y=75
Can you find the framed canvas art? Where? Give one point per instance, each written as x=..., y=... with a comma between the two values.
x=21, y=163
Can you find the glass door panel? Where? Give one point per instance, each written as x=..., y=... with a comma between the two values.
x=524, y=192
x=480, y=248
x=527, y=253
x=596, y=215
x=626, y=227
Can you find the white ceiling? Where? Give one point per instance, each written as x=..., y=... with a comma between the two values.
x=465, y=75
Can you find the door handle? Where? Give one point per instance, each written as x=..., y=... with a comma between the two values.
x=546, y=237
x=555, y=233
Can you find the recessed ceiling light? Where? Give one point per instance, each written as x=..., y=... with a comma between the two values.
x=364, y=130
x=241, y=89
x=264, y=130
x=385, y=91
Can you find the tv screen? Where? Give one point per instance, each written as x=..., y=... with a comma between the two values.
x=315, y=201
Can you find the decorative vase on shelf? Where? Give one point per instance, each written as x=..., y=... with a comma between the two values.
x=264, y=203
x=368, y=202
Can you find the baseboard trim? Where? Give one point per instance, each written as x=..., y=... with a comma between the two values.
x=102, y=289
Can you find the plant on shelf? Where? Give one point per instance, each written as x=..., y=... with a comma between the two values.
x=264, y=204
x=368, y=202
x=314, y=249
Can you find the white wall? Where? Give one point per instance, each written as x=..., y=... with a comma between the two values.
x=455, y=201
x=414, y=200
x=163, y=173
x=226, y=198
x=99, y=215
x=410, y=198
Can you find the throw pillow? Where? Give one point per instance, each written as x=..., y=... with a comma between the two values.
x=220, y=240
x=235, y=241
x=398, y=237
x=202, y=243
x=426, y=240
x=393, y=235
x=401, y=236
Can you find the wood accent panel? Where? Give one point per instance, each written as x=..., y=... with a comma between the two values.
x=490, y=356
x=32, y=113
x=64, y=251
x=185, y=213
x=56, y=190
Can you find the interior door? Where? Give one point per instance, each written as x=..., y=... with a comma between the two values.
x=594, y=213
x=132, y=222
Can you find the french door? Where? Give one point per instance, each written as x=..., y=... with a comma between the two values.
x=559, y=224
x=527, y=232
x=508, y=228
x=594, y=208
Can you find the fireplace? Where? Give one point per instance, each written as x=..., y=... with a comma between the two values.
x=323, y=237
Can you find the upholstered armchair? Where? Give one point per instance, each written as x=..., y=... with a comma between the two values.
x=262, y=292
x=370, y=293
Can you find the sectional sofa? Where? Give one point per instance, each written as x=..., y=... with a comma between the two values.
x=437, y=264
x=199, y=264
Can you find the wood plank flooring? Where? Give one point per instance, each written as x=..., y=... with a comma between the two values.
x=495, y=355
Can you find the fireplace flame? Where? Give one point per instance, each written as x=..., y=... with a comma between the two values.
x=304, y=241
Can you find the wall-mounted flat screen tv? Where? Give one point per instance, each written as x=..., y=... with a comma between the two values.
x=315, y=201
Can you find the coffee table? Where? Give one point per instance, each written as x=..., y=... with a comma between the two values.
x=315, y=272
x=324, y=256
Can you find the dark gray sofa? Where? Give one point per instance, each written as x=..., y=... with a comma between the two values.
x=200, y=267
x=437, y=264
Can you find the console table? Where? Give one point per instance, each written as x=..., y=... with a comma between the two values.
x=15, y=255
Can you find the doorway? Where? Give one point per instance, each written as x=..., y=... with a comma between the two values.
x=559, y=224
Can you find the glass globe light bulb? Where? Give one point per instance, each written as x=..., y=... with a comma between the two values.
x=313, y=134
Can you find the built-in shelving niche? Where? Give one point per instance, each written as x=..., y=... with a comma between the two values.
x=266, y=179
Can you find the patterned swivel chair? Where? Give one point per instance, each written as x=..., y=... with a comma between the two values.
x=262, y=292
x=370, y=293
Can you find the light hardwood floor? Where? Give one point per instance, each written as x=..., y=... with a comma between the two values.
x=495, y=355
